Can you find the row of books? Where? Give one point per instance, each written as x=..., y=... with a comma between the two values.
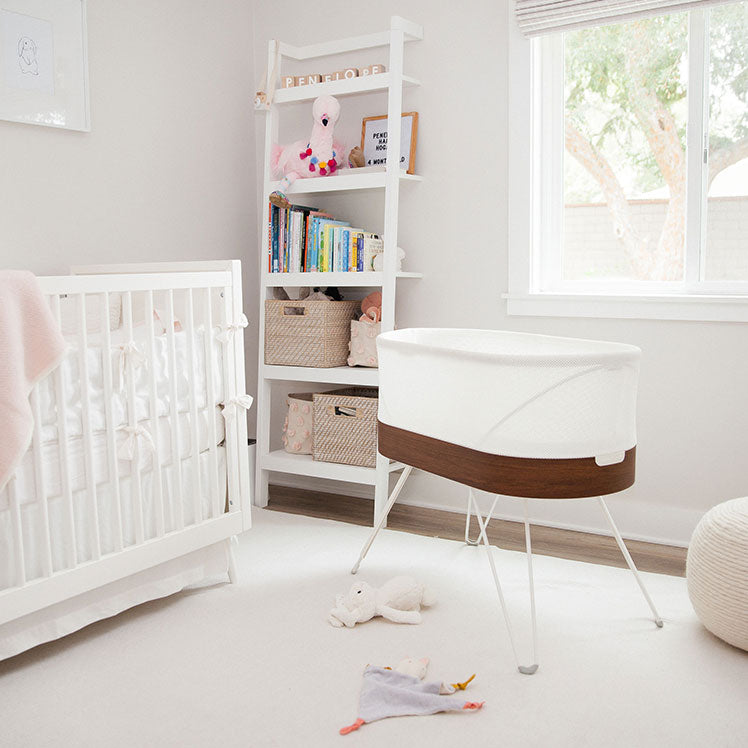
x=306, y=240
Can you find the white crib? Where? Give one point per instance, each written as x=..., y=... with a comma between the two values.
x=137, y=476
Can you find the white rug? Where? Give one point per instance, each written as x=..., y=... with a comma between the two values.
x=256, y=664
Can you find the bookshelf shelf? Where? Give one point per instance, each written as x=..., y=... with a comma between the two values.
x=355, y=375
x=356, y=181
x=352, y=280
x=344, y=181
x=280, y=461
x=352, y=86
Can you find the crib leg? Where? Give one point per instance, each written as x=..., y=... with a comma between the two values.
x=233, y=578
x=524, y=669
x=629, y=560
x=382, y=517
x=468, y=517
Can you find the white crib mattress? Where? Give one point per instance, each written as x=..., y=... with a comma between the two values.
x=510, y=394
x=106, y=505
x=26, y=487
x=70, y=372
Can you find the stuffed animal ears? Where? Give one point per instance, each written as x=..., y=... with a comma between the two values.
x=425, y=660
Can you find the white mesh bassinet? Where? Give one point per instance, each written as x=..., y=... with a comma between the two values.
x=511, y=413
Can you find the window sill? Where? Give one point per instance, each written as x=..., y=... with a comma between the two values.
x=700, y=308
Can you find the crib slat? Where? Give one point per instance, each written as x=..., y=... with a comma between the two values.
x=136, y=488
x=111, y=437
x=158, y=494
x=176, y=447
x=85, y=384
x=229, y=393
x=209, y=403
x=41, y=483
x=17, y=531
x=62, y=445
x=194, y=433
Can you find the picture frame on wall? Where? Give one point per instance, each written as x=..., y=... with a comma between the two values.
x=374, y=141
x=44, y=63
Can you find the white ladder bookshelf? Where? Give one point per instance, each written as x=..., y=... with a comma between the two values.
x=393, y=82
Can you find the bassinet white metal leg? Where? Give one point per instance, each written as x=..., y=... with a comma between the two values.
x=629, y=560
x=528, y=550
x=383, y=516
x=524, y=669
x=468, y=515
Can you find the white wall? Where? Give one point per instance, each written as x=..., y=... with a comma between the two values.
x=693, y=404
x=167, y=171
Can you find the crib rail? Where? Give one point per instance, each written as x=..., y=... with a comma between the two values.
x=151, y=485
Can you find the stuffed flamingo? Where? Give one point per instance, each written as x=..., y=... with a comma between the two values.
x=318, y=156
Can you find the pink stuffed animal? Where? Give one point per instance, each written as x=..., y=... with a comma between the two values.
x=318, y=156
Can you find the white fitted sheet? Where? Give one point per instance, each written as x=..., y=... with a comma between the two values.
x=70, y=372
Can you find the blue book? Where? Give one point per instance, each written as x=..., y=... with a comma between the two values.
x=276, y=231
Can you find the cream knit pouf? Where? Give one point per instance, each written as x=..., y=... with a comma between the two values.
x=717, y=571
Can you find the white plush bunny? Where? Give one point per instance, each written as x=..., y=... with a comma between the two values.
x=399, y=600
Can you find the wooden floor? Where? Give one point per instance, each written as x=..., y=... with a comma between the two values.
x=548, y=541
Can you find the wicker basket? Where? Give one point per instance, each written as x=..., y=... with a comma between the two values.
x=308, y=333
x=345, y=426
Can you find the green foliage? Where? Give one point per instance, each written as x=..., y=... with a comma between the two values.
x=613, y=71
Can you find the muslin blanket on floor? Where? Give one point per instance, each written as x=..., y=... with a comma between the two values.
x=31, y=345
x=389, y=693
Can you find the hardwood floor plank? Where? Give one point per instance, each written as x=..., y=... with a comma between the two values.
x=548, y=541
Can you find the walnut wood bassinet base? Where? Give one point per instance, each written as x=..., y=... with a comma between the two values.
x=509, y=476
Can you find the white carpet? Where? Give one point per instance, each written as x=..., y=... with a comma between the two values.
x=256, y=664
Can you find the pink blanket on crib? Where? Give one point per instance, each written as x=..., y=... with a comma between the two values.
x=31, y=345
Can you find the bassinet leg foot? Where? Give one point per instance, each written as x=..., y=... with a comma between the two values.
x=382, y=517
x=528, y=549
x=629, y=561
x=233, y=577
x=524, y=669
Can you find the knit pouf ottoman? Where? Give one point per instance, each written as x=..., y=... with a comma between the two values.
x=717, y=571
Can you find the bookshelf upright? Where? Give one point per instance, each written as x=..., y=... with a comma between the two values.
x=392, y=82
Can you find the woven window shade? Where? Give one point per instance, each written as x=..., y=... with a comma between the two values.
x=536, y=17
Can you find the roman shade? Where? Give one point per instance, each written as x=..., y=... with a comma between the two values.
x=536, y=17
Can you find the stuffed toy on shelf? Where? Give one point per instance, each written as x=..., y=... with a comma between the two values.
x=319, y=156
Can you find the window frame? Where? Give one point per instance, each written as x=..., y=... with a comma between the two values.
x=536, y=215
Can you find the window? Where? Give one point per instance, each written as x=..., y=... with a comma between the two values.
x=639, y=147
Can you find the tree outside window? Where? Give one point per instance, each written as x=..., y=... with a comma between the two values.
x=625, y=127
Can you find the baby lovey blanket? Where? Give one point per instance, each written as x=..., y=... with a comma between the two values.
x=31, y=345
x=389, y=693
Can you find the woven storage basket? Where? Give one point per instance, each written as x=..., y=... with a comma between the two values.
x=308, y=333
x=345, y=426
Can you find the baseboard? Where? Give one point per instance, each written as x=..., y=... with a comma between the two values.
x=637, y=520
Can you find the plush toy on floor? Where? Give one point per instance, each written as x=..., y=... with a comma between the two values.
x=317, y=157
x=401, y=692
x=399, y=600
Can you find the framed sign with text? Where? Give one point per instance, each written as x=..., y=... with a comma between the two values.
x=374, y=141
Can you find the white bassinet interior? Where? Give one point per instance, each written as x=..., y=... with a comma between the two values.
x=511, y=394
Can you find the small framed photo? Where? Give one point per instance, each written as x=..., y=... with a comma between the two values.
x=44, y=63
x=374, y=141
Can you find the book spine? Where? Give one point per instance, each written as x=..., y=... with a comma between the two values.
x=305, y=258
x=276, y=230
x=270, y=237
